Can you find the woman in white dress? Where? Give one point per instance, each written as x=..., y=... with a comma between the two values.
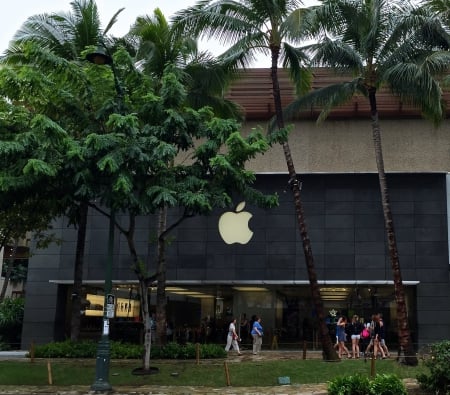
x=232, y=337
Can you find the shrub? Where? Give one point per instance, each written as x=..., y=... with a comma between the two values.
x=119, y=350
x=349, y=385
x=387, y=384
x=382, y=384
x=188, y=351
x=66, y=349
x=438, y=362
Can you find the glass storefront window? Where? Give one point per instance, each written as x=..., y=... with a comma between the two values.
x=203, y=313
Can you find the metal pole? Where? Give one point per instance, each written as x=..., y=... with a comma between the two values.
x=103, y=350
x=101, y=382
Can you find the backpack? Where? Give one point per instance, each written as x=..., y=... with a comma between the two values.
x=365, y=333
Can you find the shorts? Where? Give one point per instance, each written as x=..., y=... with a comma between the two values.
x=356, y=337
x=382, y=342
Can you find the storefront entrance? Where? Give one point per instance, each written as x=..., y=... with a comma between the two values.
x=202, y=313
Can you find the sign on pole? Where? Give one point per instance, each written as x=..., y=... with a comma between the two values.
x=110, y=304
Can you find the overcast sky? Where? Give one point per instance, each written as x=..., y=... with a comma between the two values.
x=17, y=11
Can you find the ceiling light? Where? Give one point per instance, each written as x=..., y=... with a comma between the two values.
x=250, y=289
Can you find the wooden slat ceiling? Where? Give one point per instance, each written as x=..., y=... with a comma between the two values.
x=253, y=92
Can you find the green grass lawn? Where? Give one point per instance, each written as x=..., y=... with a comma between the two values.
x=208, y=373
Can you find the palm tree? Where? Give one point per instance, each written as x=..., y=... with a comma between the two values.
x=379, y=43
x=266, y=26
x=66, y=35
x=160, y=44
x=440, y=8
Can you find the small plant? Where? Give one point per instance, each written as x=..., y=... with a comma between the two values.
x=349, y=385
x=387, y=384
x=438, y=362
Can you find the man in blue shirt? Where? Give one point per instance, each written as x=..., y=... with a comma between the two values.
x=257, y=334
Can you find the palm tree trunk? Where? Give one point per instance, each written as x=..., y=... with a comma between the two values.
x=75, y=320
x=329, y=353
x=404, y=334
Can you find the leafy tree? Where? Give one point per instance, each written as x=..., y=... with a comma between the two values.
x=142, y=150
x=268, y=27
x=24, y=167
x=379, y=43
x=205, y=79
x=65, y=36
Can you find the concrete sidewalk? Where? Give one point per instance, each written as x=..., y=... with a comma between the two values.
x=13, y=354
x=302, y=389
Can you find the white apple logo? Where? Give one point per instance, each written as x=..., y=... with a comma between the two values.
x=233, y=226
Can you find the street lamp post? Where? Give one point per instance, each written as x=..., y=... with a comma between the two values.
x=101, y=383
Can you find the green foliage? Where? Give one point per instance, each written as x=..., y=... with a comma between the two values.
x=11, y=318
x=4, y=346
x=66, y=349
x=438, y=363
x=11, y=311
x=349, y=385
x=382, y=384
x=119, y=350
x=18, y=272
x=208, y=351
x=188, y=351
x=387, y=384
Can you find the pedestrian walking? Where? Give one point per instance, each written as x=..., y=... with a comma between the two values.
x=257, y=334
x=355, y=329
x=382, y=335
x=342, y=336
x=232, y=337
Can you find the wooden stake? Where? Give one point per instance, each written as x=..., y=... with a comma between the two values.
x=197, y=353
x=227, y=374
x=372, y=366
x=32, y=351
x=49, y=370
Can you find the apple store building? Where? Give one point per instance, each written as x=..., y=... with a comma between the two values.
x=248, y=261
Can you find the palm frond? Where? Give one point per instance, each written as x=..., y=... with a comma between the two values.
x=45, y=30
x=293, y=27
x=225, y=21
x=112, y=21
x=295, y=60
x=243, y=52
x=416, y=84
x=335, y=54
x=324, y=99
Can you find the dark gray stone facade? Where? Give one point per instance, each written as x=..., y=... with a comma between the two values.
x=345, y=222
